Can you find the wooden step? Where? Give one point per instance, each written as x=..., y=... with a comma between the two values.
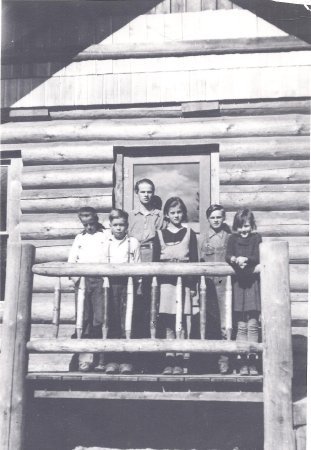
x=213, y=396
x=143, y=378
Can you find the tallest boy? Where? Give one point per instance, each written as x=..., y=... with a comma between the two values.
x=144, y=221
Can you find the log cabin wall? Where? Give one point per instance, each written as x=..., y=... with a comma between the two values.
x=112, y=75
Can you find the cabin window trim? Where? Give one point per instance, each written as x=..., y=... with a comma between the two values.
x=13, y=210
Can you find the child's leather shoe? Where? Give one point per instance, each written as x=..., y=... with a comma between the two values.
x=112, y=368
x=126, y=369
x=85, y=366
x=178, y=370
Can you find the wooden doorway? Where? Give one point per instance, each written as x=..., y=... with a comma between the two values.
x=191, y=175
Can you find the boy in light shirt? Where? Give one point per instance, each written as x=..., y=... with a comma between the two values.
x=119, y=248
x=88, y=247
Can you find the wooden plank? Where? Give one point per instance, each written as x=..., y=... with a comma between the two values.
x=119, y=183
x=277, y=355
x=291, y=187
x=172, y=396
x=223, y=127
x=73, y=176
x=301, y=437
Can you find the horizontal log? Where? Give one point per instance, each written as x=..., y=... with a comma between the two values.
x=265, y=107
x=299, y=310
x=300, y=412
x=140, y=345
x=265, y=201
x=256, y=397
x=49, y=362
x=47, y=284
x=265, y=165
x=299, y=276
x=118, y=113
x=53, y=226
x=214, y=127
x=291, y=147
x=60, y=253
x=73, y=176
x=289, y=187
x=102, y=203
x=155, y=49
x=148, y=269
x=275, y=217
x=67, y=153
x=252, y=148
x=264, y=176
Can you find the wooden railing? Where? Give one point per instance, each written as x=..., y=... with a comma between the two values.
x=276, y=332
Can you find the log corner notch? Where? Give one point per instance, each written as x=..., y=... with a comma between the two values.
x=277, y=346
x=14, y=357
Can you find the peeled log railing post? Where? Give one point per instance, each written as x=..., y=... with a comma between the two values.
x=179, y=321
x=56, y=307
x=228, y=307
x=14, y=357
x=80, y=307
x=154, y=307
x=277, y=346
x=105, y=307
x=129, y=308
x=203, y=301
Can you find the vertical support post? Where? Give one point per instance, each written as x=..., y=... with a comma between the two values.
x=129, y=308
x=154, y=307
x=80, y=307
x=228, y=307
x=105, y=307
x=14, y=357
x=277, y=346
x=179, y=324
x=56, y=307
x=203, y=301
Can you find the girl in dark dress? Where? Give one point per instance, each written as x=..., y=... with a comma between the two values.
x=243, y=254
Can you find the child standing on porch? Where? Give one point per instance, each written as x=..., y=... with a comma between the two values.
x=176, y=243
x=88, y=247
x=119, y=248
x=243, y=254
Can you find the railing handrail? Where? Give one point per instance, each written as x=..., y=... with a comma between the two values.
x=63, y=269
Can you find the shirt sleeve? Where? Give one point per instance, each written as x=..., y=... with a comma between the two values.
x=156, y=248
x=230, y=249
x=136, y=253
x=74, y=251
x=193, y=251
x=254, y=257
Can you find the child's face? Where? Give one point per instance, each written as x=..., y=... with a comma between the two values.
x=145, y=193
x=118, y=228
x=175, y=215
x=216, y=219
x=89, y=223
x=245, y=230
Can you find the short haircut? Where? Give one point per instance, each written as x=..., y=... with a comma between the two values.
x=176, y=201
x=215, y=207
x=118, y=214
x=144, y=180
x=243, y=216
x=88, y=211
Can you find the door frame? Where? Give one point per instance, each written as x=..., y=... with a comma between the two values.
x=206, y=155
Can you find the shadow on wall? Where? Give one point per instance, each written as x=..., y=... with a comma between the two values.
x=54, y=32
x=293, y=19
